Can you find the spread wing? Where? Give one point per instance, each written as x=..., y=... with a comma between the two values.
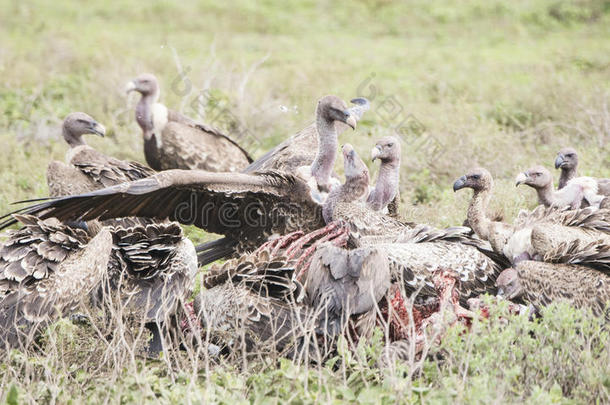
x=247, y=207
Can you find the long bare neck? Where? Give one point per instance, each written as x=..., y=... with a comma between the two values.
x=566, y=175
x=386, y=185
x=328, y=142
x=71, y=139
x=477, y=219
x=545, y=195
x=144, y=110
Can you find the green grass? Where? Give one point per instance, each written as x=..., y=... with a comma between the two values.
x=499, y=84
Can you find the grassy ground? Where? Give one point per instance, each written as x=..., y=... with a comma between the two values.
x=498, y=84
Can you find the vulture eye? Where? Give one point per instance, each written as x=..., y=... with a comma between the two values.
x=82, y=121
x=476, y=177
x=570, y=155
x=390, y=145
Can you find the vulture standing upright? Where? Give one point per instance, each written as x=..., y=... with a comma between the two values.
x=533, y=235
x=567, y=161
x=386, y=191
x=244, y=207
x=86, y=169
x=576, y=192
x=173, y=141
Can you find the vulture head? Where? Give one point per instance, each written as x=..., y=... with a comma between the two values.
x=146, y=84
x=537, y=177
x=567, y=159
x=77, y=124
x=387, y=150
x=355, y=169
x=331, y=109
x=508, y=284
x=478, y=179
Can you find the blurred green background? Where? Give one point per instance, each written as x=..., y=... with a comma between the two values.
x=493, y=83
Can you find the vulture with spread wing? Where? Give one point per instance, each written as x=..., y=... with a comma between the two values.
x=245, y=207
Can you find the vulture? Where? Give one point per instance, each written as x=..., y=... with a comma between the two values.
x=415, y=252
x=540, y=283
x=386, y=191
x=48, y=267
x=576, y=191
x=173, y=141
x=258, y=298
x=536, y=234
x=245, y=207
x=567, y=161
x=85, y=168
x=47, y=270
x=255, y=299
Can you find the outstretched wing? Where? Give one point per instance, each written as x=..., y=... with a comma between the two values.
x=247, y=207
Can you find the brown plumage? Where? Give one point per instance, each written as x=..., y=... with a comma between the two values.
x=47, y=270
x=246, y=208
x=148, y=268
x=515, y=241
x=415, y=251
x=567, y=161
x=87, y=169
x=257, y=298
x=540, y=283
x=173, y=141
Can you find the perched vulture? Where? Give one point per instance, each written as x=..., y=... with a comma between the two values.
x=173, y=141
x=577, y=191
x=86, y=169
x=567, y=161
x=535, y=234
x=246, y=208
x=47, y=265
x=540, y=283
x=386, y=191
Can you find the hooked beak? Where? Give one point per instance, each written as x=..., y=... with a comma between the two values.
x=375, y=152
x=130, y=86
x=98, y=129
x=351, y=120
x=459, y=183
x=559, y=161
x=521, y=178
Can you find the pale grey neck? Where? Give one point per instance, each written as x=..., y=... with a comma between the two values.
x=328, y=142
x=545, y=195
x=386, y=186
x=477, y=219
x=71, y=139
